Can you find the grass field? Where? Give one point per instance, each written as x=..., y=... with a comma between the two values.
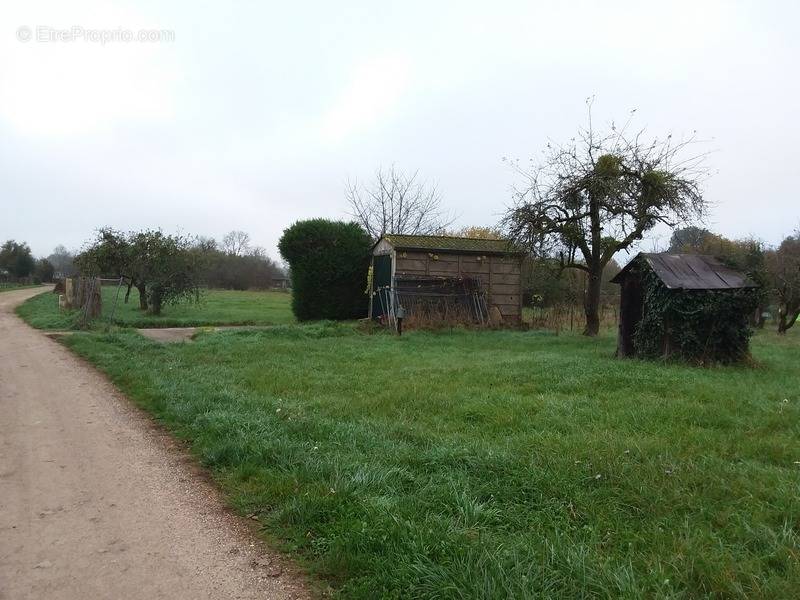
x=490, y=464
x=8, y=287
x=217, y=307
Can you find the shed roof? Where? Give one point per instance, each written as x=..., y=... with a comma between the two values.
x=690, y=272
x=444, y=243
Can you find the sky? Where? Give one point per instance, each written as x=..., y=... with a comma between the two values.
x=253, y=115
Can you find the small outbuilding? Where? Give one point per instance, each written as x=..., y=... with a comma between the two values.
x=280, y=282
x=440, y=279
x=684, y=305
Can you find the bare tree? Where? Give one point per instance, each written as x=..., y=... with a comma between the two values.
x=397, y=203
x=236, y=243
x=783, y=266
x=61, y=259
x=599, y=194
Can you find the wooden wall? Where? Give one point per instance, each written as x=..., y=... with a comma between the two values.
x=499, y=275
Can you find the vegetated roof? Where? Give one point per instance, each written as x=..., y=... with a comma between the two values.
x=444, y=243
x=690, y=272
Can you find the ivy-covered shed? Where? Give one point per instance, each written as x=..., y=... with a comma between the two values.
x=687, y=306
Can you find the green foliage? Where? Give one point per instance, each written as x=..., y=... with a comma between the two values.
x=783, y=277
x=329, y=262
x=746, y=255
x=689, y=240
x=44, y=271
x=109, y=255
x=697, y=326
x=16, y=258
x=490, y=464
x=166, y=268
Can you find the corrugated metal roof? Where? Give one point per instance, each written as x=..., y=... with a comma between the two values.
x=690, y=272
x=445, y=243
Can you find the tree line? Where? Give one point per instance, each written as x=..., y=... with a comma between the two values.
x=776, y=269
x=162, y=268
x=165, y=269
x=17, y=263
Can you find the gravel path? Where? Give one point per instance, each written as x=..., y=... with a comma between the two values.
x=98, y=502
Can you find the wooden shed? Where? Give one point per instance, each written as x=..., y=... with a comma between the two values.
x=441, y=278
x=686, y=304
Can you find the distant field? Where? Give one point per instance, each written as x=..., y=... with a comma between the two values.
x=492, y=464
x=217, y=307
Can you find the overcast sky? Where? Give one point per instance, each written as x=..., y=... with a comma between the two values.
x=256, y=113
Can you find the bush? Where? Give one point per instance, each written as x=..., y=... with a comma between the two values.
x=329, y=262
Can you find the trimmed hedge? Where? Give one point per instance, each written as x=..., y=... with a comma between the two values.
x=329, y=262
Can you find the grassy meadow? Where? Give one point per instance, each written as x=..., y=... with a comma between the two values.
x=216, y=307
x=493, y=464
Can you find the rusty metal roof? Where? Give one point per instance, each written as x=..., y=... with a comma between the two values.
x=444, y=243
x=690, y=272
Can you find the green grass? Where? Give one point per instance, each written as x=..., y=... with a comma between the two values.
x=217, y=307
x=9, y=287
x=490, y=464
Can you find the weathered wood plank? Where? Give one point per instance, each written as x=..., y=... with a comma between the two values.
x=504, y=301
x=412, y=255
x=504, y=267
x=511, y=289
x=506, y=278
x=409, y=264
x=447, y=269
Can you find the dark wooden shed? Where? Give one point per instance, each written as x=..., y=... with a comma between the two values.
x=446, y=278
x=694, y=293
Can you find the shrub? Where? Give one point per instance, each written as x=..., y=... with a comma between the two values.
x=329, y=262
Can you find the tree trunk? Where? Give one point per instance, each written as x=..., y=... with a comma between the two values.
x=155, y=302
x=591, y=302
x=591, y=305
x=758, y=317
x=128, y=291
x=785, y=320
x=142, y=297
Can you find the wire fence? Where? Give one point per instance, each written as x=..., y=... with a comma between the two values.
x=568, y=316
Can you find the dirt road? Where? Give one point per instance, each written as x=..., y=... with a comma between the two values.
x=97, y=502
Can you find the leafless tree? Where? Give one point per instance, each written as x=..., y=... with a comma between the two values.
x=598, y=194
x=783, y=266
x=397, y=203
x=61, y=259
x=236, y=243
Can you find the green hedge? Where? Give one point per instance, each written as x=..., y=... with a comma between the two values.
x=701, y=326
x=329, y=262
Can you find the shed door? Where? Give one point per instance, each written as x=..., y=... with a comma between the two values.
x=381, y=284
